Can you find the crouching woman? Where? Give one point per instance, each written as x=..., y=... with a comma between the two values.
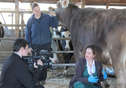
x=88, y=71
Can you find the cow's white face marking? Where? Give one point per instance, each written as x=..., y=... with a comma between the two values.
x=55, y=35
x=66, y=34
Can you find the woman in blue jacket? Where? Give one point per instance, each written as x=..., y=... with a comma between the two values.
x=38, y=32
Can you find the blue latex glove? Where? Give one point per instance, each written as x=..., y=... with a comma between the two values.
x=93, y=79
x=104, y=74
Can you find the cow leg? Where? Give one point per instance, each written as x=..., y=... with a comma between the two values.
x=105, y=83
x=119, y=69
x=67, y=58
x=54, y=59
x=120, y=76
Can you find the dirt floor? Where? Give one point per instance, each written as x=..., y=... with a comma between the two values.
x=56, y=79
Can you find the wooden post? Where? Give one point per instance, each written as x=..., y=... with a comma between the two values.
x=12, y=26
x=22, y=27
x=83, y=3
x=17, y=18
x=107, y=5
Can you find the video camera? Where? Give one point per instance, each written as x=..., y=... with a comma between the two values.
x=43, y=55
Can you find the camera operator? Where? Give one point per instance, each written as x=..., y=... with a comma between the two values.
x=15, y=71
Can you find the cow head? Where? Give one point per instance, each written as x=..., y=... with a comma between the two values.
x=65, y=9
x=61, y=5
x=64, y=33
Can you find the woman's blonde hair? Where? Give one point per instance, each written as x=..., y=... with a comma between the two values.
x=95, y=50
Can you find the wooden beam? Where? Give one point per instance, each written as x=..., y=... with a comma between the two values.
x=12, y=25
x=44, y=11
x=118, y=4
x=83, y=4
x=98, y=2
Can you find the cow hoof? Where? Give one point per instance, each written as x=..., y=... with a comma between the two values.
x=105, y=84
x=56, y=61
x=65, y=72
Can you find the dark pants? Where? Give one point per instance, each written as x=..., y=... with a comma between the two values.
x=39, y=86
x=37, y=48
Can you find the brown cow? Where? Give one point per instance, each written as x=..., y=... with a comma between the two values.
x=104, y=28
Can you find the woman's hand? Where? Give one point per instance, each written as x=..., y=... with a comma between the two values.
x=104, y=74
x=93, y=79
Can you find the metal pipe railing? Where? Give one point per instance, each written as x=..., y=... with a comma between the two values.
x=51, y=51
x=23, y=37
x=62, y=64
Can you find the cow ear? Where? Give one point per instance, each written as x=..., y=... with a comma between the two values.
x=65, y=3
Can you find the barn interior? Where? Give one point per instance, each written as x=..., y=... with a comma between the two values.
x=14, y=20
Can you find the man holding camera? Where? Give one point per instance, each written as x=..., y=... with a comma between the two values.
x=15, y=71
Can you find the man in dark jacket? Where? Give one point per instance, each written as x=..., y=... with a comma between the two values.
x=15, y=71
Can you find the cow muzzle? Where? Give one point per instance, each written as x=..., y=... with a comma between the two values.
x=67, y=49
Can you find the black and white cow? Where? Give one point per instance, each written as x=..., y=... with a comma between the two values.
x=64, y=45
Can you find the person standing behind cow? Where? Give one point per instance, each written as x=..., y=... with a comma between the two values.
x=38, y=32
x=88, y=71
x=15, y=72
